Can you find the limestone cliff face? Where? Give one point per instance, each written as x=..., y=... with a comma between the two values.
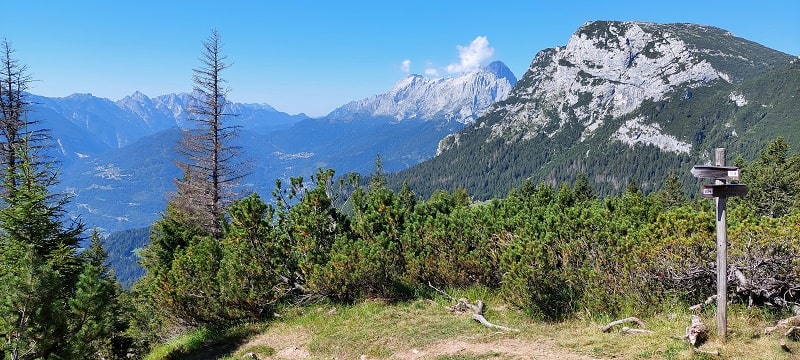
x=608, y=70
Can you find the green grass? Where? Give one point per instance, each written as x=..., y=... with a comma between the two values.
x=379, y=329
x=202, y=342
x=182, y=345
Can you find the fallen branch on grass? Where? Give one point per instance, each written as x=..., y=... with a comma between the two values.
x=477, y=314
x=696, y=308
x=633, y=319
x=440, y=291
x=696, y=333
x=477, y=310
x=792, y=324
x=631, y=331
x=789, y=322
x=793, y=332
x=784, y=347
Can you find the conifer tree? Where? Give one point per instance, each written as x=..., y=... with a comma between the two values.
x=672, y=194
x=583, y=189
x=36, y=250
x=93, y=309
x=40, y=266
x=183, y=258
x=43, y=282
x=773, y=181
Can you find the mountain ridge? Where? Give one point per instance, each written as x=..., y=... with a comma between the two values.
x=131, y=153
x=616, y=94
x=620, y=101
x=413, y=97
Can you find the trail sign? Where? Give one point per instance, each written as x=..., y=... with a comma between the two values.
x=716, y=172
x=724, y=190
x=720, y=191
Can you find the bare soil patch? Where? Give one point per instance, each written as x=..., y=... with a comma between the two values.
x=287, y=342
x=292, y=343
x=500, y=349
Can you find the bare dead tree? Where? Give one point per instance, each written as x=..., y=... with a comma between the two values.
x=21, y=139
x=211, y=171
x=13, y=106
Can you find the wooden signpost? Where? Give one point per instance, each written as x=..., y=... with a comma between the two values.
x=724, y=190
x=728, y=173
x=720, y=191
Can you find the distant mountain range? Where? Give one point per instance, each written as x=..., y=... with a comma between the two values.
x=462, y=99
x=118, y=157
x=622, y=102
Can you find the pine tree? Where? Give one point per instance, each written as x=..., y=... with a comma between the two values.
x=45, y=284
x=672, y=194
x=583, y=189
x=36, y=250
x=40, y=266
x=255, y=266
x=93, y=308
x=773, y=181
x=183, y=258
x=314, y=226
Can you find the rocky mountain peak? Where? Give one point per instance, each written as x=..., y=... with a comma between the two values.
x=501, y=71
x=462, y=99
x=621, y=101
x=606, y=70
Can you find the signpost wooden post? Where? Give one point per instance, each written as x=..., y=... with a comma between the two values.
x=720, y=191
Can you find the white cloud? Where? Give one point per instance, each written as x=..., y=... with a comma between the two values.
x=405, y=66
x=432, y=72
x=472, y=56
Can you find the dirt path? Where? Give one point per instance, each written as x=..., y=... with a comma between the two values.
x=501, y=349
x=294, y=345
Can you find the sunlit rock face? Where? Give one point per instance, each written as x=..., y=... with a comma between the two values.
x=463, y=98
x=607, y=70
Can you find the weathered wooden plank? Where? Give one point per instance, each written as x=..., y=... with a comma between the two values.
x=724, y=190
x=728, y=173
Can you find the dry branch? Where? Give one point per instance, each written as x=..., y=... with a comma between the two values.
x=477, y=310
x=696, y=333
x=784, y=346
x=696, y=308
x=793, y=332
x=631, y=331
x=633, y=319
x=478, y=314
x=789, y=322
x=440, y=291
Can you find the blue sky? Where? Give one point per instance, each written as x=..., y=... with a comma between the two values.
x=313, y=56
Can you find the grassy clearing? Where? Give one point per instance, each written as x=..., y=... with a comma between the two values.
x=426, y=329
x=205, y=342
x=182, y=345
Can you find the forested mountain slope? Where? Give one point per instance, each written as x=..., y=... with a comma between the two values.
x=622, y=102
